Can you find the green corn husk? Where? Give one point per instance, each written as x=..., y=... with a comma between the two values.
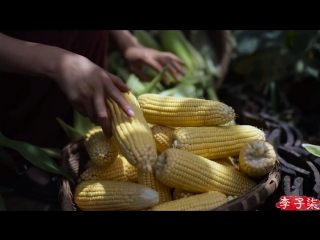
x=171, y=42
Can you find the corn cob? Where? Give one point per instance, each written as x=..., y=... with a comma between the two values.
x=181, y=169
x=225, y=161
x=171, y=42
x=105, y=195
x=133, y=135
x=200, y=202
x=257, y=158
x=216, y=141
x=197, y=58
x=102, y=150
x=149, y=180
x=184, y=111
x=162, y=135
x=119, y=170
x=180, y=193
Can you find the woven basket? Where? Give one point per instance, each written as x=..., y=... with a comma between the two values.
x=76, y=160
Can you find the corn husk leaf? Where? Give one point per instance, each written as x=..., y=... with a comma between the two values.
x=71, y=132
x=35, y=155
x=181, y=90
x=313, y=149
x=54, y=153
x=81, y=124
x=135, y=84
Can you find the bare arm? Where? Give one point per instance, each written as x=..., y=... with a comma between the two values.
x=85, y=84
x=124, y=39
x=22, y=57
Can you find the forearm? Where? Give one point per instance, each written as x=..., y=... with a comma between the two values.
x=123, y=39
x=29, y=58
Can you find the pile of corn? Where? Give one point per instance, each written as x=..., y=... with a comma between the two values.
x=174, y=154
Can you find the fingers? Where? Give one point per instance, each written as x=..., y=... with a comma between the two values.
x=111, y=88
x=174, y=73
x=103, y=118
x=118, y=82
x=175, y=62
x=175, y=58
x=157, y=67
x=178, y=67
x=114, y=93
x=89, y=109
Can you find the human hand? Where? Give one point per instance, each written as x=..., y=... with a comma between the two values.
x=137, y=56
x=87, y=86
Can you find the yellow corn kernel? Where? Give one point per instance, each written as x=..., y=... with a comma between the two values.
x=106, y=195
x=199, y=202
x=257, y=158
x=216, y=141
x=183, y=111
x=102, y=150
x=180, y=193
x=149, y=180
x=119, y=170
x=162, y=135
x=227, y=161
x=181, y=169
x=133, y=134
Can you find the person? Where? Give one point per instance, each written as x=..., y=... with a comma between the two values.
x=45, y=74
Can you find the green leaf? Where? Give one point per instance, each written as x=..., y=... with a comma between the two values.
x=7, y=160
x=36, y=155
x=194, y=52
x=81, y=124
x=211, y=92
x=54, y=153
x=170, y=41
x=138, y=88
x=196, y=80
x=313, y=149
x=211, y=68
x=155, y=81
x=135, y=84
x=71, y=132
x=201, y=41
x=152, y=73
x=181, y=90
x=199, y=93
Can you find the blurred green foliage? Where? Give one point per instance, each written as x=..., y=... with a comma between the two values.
x=272, y=55
x=267, y=57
